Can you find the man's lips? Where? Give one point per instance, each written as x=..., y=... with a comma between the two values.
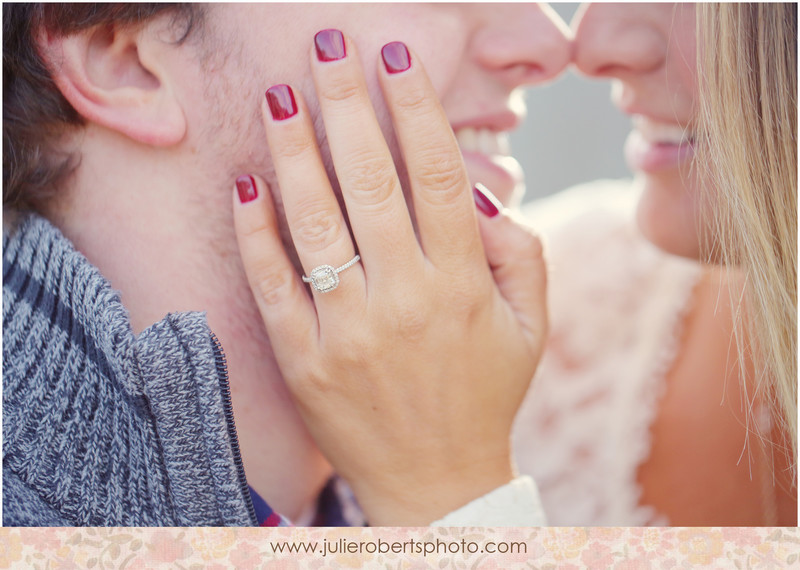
x=488, y=161
x=486, y=148
x=484, y=141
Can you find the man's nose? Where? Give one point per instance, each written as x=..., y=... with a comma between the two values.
x=615, y=40
x=523, y=44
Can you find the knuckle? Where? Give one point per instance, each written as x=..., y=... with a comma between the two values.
x=414, y=100
x=371, y=181
x=474, y=291
x=341, y=88
x=350, y=352
x=293, y=145
x=316, y=229
x=357, y=350
x=531, y=244
x=311, y=381
x=443, y=173
x=271, y=286
x=465, y=301
x=467, y=294
x=250, y=227
x=409, y=320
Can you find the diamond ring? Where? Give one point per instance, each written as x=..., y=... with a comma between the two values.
x=325, y=278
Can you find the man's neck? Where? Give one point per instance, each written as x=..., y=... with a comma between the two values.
x=165, y=242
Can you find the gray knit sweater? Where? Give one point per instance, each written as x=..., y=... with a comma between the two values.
x=102, y=427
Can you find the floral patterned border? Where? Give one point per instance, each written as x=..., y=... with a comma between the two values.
x=248, y=548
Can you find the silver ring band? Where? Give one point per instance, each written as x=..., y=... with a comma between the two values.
x=325, y=278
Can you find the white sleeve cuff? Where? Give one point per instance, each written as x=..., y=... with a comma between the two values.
x=514, y=504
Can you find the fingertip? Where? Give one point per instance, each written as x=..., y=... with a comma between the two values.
x=331, y=45
x=282, y=103
x=396, y=57
x=493, y=220
x=506, y=237
x=486, y=202
x=249, y=189
x=246, y=188
x=252, y=205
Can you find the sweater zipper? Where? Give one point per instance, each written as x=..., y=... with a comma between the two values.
x=227, y=406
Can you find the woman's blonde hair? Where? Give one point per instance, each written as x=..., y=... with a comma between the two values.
x=747, y=55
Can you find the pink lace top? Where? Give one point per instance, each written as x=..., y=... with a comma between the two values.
x=616, y=306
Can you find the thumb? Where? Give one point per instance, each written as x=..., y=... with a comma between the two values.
x=516, y=257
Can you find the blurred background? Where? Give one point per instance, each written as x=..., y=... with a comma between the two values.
x=573, y=132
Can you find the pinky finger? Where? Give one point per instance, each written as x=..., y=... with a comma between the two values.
x=285, y=307
x=516, y=258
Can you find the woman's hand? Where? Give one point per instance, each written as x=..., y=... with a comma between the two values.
x=408, y=373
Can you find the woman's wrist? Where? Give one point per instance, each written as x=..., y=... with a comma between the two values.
x=414, y=500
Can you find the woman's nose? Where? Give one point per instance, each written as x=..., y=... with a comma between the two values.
x=616, y=40
x=523, y=44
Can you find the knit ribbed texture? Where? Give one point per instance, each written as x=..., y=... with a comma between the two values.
x=101, y=427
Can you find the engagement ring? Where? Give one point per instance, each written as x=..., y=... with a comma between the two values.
x=325, y=278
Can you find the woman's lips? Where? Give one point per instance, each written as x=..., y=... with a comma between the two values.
x=653, y=146
x=642, y=155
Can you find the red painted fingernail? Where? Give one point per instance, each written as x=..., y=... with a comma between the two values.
x=330, y=45
x=486, y=201
x=246, y=187
x=396, y=57
x=281, y=102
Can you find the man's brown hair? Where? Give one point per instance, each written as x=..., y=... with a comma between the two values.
x=34, y=111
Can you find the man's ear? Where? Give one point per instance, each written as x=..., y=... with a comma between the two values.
x=116, y=77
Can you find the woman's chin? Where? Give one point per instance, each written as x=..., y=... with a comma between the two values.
x=666, y=218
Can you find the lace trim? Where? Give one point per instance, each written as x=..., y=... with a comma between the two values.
x=617, y=309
